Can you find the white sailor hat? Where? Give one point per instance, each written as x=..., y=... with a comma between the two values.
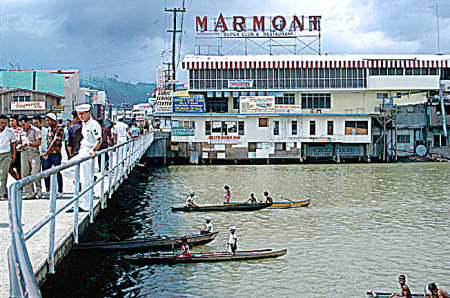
x=120, y=117
x=208, y=218
x=51, y=116
x=232, y=228
x=83, y=108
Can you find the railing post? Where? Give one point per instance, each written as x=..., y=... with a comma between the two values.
x=91, y=192
x=125, y=163
x=116, y=178
x=111, y=168
x=14, y=286
x=51, y=229
x=76, y=205
x=102, y=183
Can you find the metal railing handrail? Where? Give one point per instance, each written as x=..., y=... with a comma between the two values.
x=22, y=280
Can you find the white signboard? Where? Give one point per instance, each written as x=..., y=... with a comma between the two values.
x=160, y=75
x=163, y=101
x=287, y=109
x=28, y=105
x=256, y=104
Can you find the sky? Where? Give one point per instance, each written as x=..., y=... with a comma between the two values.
x=128, y=39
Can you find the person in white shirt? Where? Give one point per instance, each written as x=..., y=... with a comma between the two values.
x=208, y=226
x=232, y=241
x=190, y=200
x=37, y=121
x=7, y=154
x=121, y=132
x=92, y=139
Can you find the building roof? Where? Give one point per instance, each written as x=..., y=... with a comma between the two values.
x=5, y=90
x=68, y=73
x=316, y=61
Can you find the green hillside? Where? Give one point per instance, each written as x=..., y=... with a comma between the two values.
x=119, y=91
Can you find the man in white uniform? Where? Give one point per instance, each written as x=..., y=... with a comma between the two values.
x=92, y=139
x=121, y=132
x=7, y=154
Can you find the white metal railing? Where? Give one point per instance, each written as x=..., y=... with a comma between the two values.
x=122, y=159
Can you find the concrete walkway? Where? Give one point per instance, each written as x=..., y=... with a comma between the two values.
x=34, y=211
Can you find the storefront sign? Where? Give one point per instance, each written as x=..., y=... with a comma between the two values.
x=182, y=131
x=163, y=101
x=194, y=104
x=287, y=109
x=224, y=139
x=57, y=108
x=160, y=76
x=257, y=26
x=322, y=140
x=240, y=84
x=325, y=150
x=257, y=104
x=349, y=150
x=28, y=105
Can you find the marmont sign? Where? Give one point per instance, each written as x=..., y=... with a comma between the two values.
x=257, y=26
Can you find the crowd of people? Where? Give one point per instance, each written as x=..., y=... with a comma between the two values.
x=30, y=145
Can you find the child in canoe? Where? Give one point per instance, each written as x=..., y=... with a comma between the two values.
x=185, y=250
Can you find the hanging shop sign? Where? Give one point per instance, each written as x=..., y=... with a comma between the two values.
x=194, y=104
x=163, y=101
x=287, y=109
x=160, y=76
x=240, y=84
x=182, y=131
x=257, y=26
x=27, y=105
x=325, y=150
x=349, y=150
x=57, y=108
x=224, y=139
x=256, y=104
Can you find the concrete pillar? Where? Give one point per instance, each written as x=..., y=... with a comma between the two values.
x=338, y=158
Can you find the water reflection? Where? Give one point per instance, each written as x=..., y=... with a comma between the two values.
x=367, y=224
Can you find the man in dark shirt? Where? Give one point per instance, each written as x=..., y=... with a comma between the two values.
x=52, y=157
x=403, y=287
x=106, y=139
x=75, y=136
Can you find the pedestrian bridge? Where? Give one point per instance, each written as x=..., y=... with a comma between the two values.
x=41, y=232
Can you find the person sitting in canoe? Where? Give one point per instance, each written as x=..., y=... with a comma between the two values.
x=190, y=200
x=185, y=250
x=252, y=199
x=232, y=241
x=227, y=194
x=208, y=226
x=436, y=292
x=269, y=199
x=405, y=292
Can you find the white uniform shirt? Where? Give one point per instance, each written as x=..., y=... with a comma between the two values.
x=44, y=132
x=121, y=130
x=209, y=227
x=6, y=138
x=189, y=200
x=91, y=132
x=233, y=238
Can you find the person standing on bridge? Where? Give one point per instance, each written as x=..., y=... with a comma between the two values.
x=121, y=132
x=92, y=139
x=7, y=154
x=135, y=132
x=52, y=156
x=74, y=131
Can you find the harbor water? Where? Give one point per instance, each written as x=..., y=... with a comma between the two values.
x=367, y=224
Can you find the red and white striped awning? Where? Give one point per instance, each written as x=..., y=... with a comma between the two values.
x=413, y=63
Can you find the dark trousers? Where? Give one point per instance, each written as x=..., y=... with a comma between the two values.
x=54, y=159
x=100, y=158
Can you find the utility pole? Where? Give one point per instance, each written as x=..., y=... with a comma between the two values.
x=174, y=32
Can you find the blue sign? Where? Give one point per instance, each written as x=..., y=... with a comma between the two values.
x=182, y=131
x=194, y=104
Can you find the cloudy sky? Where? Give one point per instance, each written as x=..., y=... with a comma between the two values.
x=128, y=38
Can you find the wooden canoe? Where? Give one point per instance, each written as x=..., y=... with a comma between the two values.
x=242, y=207
x=221, y=256
x=280, y=205
x=157, y=243
x=386, y=295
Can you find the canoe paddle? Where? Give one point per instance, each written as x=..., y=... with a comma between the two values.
x=292, y=202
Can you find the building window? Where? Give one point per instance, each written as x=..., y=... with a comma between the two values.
x=280, y=146
x=236, y=103
x=231, y=126
x=287, y=99
x=276, y=128
x=312, y=128
x=330, y=128
x=382, y=95
x=356, y=128
x=263, y=122
x=316, y=100
x=404, y=139
x=440, y=141
x=294, y=127
x=21, y=98
x=217, y=127
x=241, y=128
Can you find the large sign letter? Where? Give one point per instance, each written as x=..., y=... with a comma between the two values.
x=239, y=21
x=258, y=24
x=296, y=22
x=281, y=26
x=202, y=23
x=314, y=23
x=221, y=24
